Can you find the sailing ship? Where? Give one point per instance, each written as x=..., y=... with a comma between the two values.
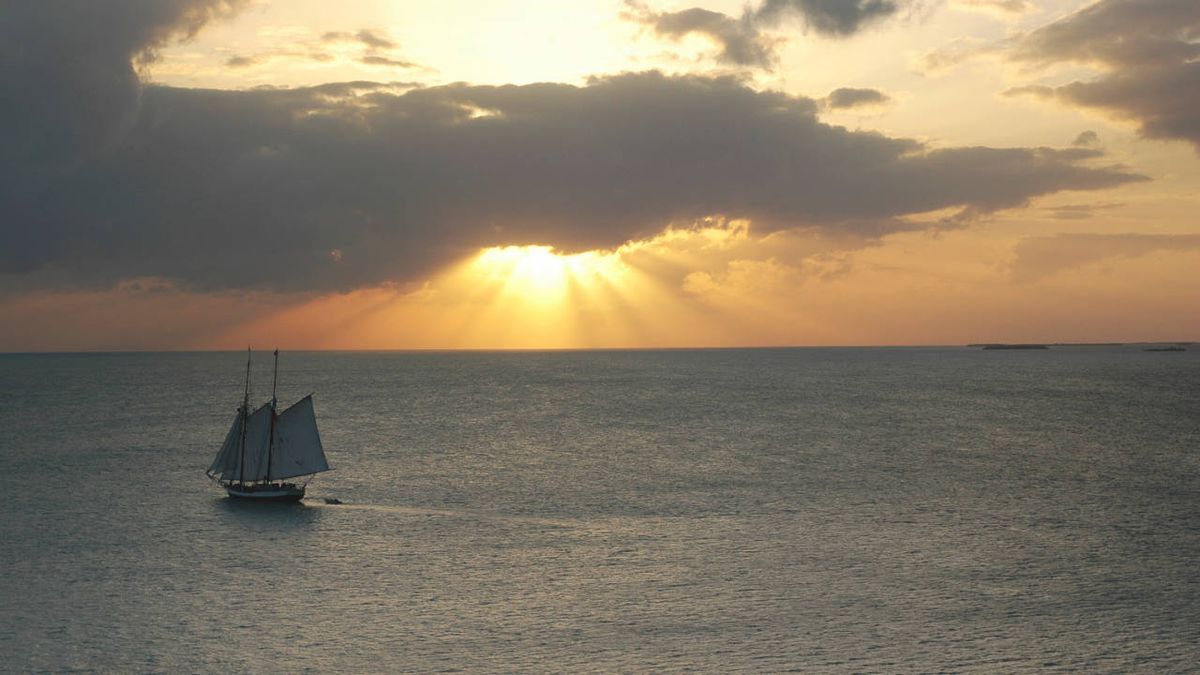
x=265, y=449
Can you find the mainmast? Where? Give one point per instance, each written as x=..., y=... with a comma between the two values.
x=245, y=415
x=271, y=431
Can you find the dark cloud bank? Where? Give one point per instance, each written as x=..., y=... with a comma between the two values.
x=237, y=189
x=67, y=67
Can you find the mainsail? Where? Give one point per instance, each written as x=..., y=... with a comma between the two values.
x=297, y=450
x=258, y=437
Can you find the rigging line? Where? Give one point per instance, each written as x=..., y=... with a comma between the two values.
x=271, y=431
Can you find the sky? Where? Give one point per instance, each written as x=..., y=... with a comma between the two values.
x=494, y=174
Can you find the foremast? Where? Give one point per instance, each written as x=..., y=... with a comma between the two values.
x=245, y=418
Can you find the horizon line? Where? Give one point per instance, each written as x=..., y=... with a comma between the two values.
x=969, y=345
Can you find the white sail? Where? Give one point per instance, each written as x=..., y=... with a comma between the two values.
x=258, y=435
x=225, y=465
x=297, y=450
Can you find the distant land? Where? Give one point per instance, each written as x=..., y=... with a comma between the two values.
x=1148, y=346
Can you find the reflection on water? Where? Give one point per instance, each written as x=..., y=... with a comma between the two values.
x=280, y=516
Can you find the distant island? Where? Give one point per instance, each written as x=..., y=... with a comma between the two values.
x=1149, y=346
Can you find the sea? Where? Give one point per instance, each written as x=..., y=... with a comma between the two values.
x=878, y=510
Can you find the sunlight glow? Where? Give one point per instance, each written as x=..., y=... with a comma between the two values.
x=710, y=284
x=537, y=274
x=531, y=296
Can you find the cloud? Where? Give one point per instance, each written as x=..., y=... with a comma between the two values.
x=847, y=97
x=1001, y=7
x=67, y=76
x=742, y=41
x=244, y=61
x=1080, y=211
x=1039, y=257
x=368, y=38
x=1039, y=90
x=828, y=17
x=112, y=180
x=234, y=189
x=1086, y=139
x=1118, y=33
x=742, y=279
x=377, y=50
x=953, y=54
x=1150, y=52
x=376, y=60
x=241, y=61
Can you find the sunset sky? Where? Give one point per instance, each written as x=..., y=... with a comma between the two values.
x=387, y=174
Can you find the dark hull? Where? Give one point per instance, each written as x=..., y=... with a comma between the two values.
x=265, y=493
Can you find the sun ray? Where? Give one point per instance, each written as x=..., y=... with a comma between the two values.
x=535, y=293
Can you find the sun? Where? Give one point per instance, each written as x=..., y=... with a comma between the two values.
x=530, y=271
x=536, y=274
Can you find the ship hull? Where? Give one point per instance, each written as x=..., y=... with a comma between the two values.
x=266, y=493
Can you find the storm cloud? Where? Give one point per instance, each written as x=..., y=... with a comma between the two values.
x=67, y=70
x=355, y=184
x=1150, y=50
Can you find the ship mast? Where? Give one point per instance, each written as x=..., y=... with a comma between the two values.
x=271, y=433
x=245, y=414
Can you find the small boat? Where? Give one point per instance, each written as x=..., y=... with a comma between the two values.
x=266, y=450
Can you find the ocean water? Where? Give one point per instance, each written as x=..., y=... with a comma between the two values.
x=817, y=510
